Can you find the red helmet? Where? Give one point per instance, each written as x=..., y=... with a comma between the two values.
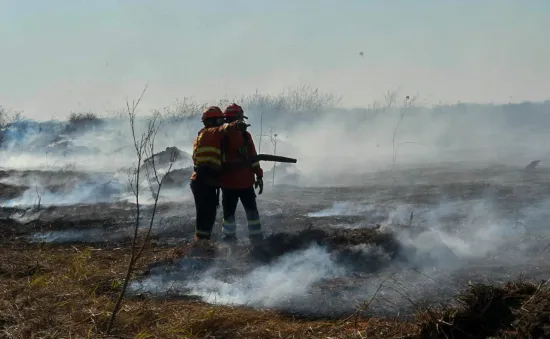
x=212, y=112
x=234, y=110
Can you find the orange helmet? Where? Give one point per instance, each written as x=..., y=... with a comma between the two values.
x=212, y=112
x=234, y=110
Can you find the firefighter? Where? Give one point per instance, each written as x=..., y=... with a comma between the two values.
x=207, y=160
x=238, y=182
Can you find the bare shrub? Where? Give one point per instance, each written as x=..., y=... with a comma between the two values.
x=291, y=100
x=16, y=117
x=273, y=137
x=82, y=118
x=79, y=121
x=182, y=109
x=144, y=148
x=408, y=103
x=38, y=199
x=7, y=118
x=3, y=117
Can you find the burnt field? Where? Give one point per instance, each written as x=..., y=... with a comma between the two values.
x=414, y=244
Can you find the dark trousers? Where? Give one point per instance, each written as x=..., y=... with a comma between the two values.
x=230, y=199
x=206, y=202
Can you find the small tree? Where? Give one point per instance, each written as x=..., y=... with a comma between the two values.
x=262, y=105
x=2, y=124
x=407, y=104
x=17, y=117
x=38, y=197
x=273, y=137
x=143, y=148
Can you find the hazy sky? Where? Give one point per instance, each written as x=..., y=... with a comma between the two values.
x=79, y=55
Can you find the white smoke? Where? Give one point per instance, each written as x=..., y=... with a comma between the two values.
x=441, y=247
x=343, y=208
x=332, y=145
x=291, y=276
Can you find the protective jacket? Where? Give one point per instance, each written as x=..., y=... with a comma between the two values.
x=208, y=153
x=238, y=172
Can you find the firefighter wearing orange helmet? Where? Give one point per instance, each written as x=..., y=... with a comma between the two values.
x=238, y=182
x=208, y=158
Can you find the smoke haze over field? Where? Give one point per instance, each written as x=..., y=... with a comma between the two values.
x=332, y=144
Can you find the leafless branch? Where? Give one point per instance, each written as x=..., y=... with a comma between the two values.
x=38, y=197
x=407, y=104
x=273, y=137
x=142, y=146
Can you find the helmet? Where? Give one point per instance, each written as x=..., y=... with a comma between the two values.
x=212, y=112
x=234, y=110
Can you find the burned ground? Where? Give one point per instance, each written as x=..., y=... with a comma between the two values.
x=515, y=309
x=444, y=245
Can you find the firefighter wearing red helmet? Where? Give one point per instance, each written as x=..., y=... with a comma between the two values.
x=238, y=182
x=207, y=160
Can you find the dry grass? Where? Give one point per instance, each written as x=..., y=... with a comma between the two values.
x=67, y=292
x=54, y=291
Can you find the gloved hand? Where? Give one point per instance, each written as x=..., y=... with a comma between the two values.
x=242, y=125
x=259, y=183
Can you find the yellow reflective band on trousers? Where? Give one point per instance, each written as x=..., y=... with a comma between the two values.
x=229, y=227
x=256, y=164
x=254, y=226
x=202, y=232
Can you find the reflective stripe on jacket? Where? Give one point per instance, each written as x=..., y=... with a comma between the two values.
x=208, y=155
